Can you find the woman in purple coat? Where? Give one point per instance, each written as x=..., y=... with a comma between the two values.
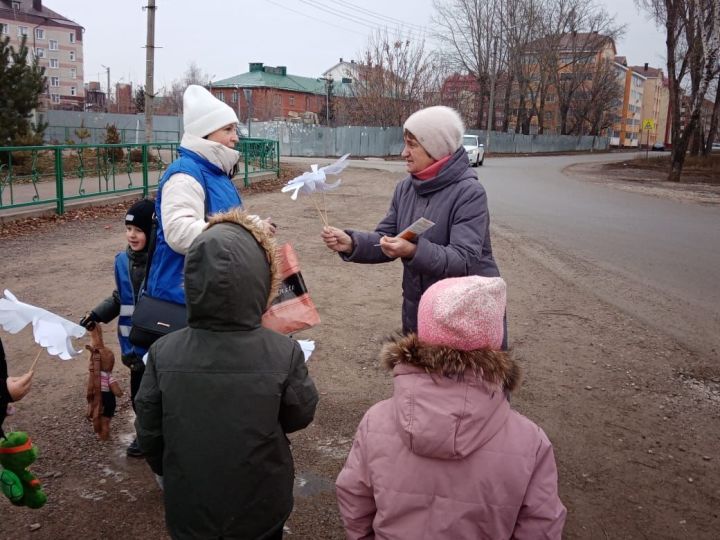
x=441, y=188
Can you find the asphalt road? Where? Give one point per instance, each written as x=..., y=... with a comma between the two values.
x=655, y=258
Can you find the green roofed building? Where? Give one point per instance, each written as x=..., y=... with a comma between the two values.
x=270, y=93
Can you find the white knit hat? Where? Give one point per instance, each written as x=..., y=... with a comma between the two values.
x=439, y=130
x=203, y=113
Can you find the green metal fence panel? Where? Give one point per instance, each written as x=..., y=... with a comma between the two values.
x=260, y=156
x=56, y=174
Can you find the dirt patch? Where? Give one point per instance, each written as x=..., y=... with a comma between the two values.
x=635, y=433
x=650, y=179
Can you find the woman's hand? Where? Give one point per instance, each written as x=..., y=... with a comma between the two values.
x=337, y=239
x=18, y=387
x=395, y=247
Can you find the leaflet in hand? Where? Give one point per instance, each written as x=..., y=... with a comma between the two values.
x=416, y=229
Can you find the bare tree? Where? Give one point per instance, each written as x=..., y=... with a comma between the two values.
x=693, y=49
x=707, y=150
x=597, y=100
x=470, y=42
x=393, y=77
x=193, y=75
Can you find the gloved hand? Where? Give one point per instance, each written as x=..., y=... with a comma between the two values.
x=89, y=320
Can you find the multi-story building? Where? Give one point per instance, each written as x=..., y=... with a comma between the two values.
x=656, y=99
x=462, y=92
x=565, y=72
x=627, y=124
x=55, y=41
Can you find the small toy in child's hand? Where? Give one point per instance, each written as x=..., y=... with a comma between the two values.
x=102, y=389
x=17, y=453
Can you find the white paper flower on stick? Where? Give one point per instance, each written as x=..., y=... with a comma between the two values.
x=314, y=180
x=49, y=330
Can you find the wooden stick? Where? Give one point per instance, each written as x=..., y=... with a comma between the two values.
x=32, y=368
x=314, y=200
x=327, y=221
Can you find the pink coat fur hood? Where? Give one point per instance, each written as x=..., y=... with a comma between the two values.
x=446, y=457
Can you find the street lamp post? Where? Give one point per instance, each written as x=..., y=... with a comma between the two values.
x=328, y=83
x=248, y=101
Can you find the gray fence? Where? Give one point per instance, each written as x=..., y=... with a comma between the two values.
x=310, y=141
x=63, y=124
x=306, y=140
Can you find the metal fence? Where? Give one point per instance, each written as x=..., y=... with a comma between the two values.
x=311, y=140
x=97, y=135
x=58, y=174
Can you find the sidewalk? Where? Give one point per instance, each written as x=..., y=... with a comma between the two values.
x=93, y=190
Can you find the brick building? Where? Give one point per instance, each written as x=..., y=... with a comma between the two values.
x=269, y=93
x=56, y=42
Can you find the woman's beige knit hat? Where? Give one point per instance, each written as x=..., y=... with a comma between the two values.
x=438, y=129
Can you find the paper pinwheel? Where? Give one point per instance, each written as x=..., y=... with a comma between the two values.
x=50, y=331
x=314, y=181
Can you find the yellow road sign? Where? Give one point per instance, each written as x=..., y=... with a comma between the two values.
x=648, y=124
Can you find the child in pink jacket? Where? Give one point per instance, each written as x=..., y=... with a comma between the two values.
x=446, y=457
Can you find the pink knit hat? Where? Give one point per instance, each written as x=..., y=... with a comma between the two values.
x=463, y=313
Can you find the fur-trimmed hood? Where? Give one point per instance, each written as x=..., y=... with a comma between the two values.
x=231, y=273
x=495, y=367
x=448, y=403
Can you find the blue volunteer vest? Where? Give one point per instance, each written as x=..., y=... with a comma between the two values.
x=123, y=282
x=166, y=279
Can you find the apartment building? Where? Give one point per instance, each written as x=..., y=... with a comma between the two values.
x=655, y=104
x=569, y=69
x=627, y=126
x=56, y=42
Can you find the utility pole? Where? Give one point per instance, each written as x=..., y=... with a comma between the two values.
x=149, y=70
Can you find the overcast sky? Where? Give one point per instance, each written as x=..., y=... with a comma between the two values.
x=307, y=36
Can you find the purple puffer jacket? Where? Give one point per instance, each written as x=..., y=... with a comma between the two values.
x=457, y=245
x=447, y=458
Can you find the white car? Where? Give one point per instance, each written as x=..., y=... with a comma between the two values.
x=475, y=149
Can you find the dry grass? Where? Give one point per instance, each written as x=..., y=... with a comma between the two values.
x=697, y=169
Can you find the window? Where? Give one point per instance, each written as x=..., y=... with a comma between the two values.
x=22, y=31
x=72, y=37
x=234, y=97
x=16, y=5
x=73, y=91
x=220, y=96
x=291, y=101
x=72, y=56
x=40, y=52
x=54, y=63
x=53, y=45
x=73, y=73
x=4, y=28
x=55, y=98
x=39, y=33
x=54, y=81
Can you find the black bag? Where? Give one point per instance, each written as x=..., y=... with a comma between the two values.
x=153, y=318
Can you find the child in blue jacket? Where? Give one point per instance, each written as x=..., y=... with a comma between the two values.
x=130, y=268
